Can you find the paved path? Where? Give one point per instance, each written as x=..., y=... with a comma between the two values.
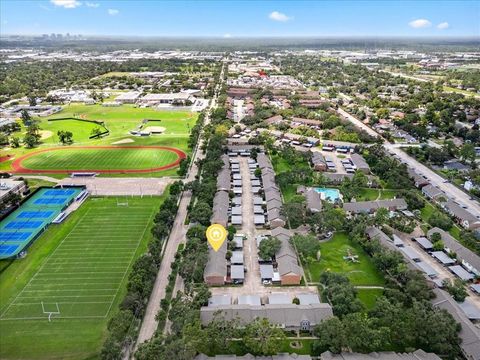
x=177, y=236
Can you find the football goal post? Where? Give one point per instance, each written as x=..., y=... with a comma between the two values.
x=50, y=312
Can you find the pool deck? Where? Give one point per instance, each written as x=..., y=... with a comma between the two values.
x=329, y=194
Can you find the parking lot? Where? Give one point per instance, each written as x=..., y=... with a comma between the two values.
x=252, y=283
x=103, y=186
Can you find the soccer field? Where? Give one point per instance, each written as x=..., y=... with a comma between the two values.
x=76, y=274
x=100, y=158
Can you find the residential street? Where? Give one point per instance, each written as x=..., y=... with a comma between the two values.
x=458, y=195
x=358, y=123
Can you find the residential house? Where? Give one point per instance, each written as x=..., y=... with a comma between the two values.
x=388, y=355
x=360, y=163
x=370, y=207
x=220, y=208
x=318, y=161
x=433, y=192
x=285, y=316
x=314, y=202
x=418, y=180
x=215, y=272
x=467, y=257
x=290, y=271
x=469, y=333
x=462, y=216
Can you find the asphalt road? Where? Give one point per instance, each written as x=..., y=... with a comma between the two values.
x=455, y=193
x=458, y=195
x=358, y=123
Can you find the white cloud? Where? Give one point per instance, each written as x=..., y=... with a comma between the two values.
x=420, y=23
x=443, y=25
x=278, y=16
x=227, y=36
x=92, y=5
x=67, y=4
x=113, y=12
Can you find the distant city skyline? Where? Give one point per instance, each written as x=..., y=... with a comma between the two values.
x=230, y=19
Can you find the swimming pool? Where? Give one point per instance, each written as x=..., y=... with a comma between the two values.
x=329, y=194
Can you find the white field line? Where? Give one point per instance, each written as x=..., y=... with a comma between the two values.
x=67, y=296
x=52, y=264
x=66, y=303
x=44, y=263
x=56, y=317
x=133, y=256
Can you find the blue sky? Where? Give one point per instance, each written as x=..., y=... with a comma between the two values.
x=241, y=18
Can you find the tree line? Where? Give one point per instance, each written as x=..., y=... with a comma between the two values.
x=124, y=325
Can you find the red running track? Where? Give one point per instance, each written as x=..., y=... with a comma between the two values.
x=18, y=168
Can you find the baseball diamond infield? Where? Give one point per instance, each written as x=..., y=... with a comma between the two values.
x=101, y=159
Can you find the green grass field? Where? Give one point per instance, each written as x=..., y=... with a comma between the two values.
x=332, y=253
x=100, y=158
x=369, y=297
x=80, y=268
x=368, y=194
x=119, y=120
x=280, y=164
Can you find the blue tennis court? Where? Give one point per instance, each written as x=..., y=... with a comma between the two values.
x=7, y=249
x=50, y=201
x=18, y=236
x=59, y=192
x=22, y=226
x=34, y=214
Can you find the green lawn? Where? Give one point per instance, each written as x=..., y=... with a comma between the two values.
x=456, y=232
x=289, y=191
x=460, y=91
x=82, y=266
x=110, y=159
x=332, y=253
x=369, y=297
x=119, y=120
x=368, y=194
x=237, y=347
x=81, y=130
x=34, y=184
x=427, y=211
x=280, y=164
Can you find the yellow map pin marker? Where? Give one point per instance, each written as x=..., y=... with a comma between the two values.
x=216, y=235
